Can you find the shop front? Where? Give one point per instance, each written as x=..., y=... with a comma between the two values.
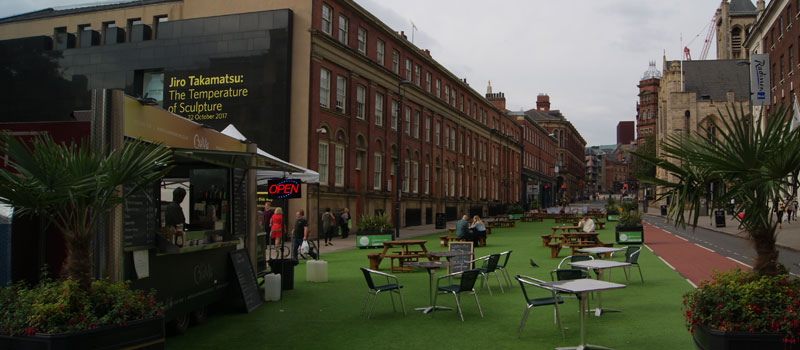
x=181, y=236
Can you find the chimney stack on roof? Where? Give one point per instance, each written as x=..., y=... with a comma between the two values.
x=543, y=102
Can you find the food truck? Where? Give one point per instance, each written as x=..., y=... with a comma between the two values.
x=210, y=256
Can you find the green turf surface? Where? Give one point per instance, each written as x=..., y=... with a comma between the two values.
x=326, y=315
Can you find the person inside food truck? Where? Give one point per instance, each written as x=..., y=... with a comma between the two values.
x=173, y=216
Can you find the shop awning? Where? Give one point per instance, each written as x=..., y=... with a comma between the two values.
x=262, y=176
x=240, y=160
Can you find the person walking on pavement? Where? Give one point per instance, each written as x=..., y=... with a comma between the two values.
x=790, y=210
x=299, y=233
x=328, y=226
x=779, y=209
x=345, y=221
x=266, y=221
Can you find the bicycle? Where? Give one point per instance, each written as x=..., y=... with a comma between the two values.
x=285, y=249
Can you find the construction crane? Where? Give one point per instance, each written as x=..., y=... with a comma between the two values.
x=706, y=45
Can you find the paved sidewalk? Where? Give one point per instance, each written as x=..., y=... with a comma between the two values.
x=788, y=235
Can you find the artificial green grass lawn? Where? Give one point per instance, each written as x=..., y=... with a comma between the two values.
x=326, y=315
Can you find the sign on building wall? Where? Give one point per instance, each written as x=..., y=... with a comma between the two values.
x=759, y=79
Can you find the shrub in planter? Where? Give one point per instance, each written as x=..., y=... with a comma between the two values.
x=61, y=306
x=745, y=302
x=377, y=224
x=514, y=208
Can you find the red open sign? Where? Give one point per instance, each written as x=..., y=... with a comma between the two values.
x=285, y=188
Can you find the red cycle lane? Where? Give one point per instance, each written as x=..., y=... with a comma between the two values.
x=690, y=260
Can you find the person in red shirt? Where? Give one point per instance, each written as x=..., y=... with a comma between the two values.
x=276, y=226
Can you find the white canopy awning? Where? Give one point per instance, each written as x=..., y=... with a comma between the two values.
x=262, y=176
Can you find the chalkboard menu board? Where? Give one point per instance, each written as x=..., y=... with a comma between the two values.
x=461, y=262
x=139, y=216
x=246, y=278
x=239, y=202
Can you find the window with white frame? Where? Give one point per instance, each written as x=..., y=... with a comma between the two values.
x=461, y=182
x=447, y=94
x=362, y=41
x=406, y=172
x=361, y=96
x=417, y=75
x=381, y=48
x=468, y=154
x=378, y=173
x=322, y=162
x=453, y=139
x=392, y=171
x=341, y=93
x=325, y=88
x=408, y=69
x=428, y=81
x=415, y=177
x=453, y=98
x=438, y=88
x=407, y=124
x=339, y=175
x=427, y=176
x=344, y=23
x=394, y=115
x=447, y=137
x=327, y=18
x=428, y=129
x=452, y=182
x=438, y=134
x=416, y=124
x=395, y=62
x=461, y=144
x=378, y=109
x=446, y=187
x=461, y=104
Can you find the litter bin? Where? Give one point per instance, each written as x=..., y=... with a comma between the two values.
x=664, y=210
x=285, y=267
x=440, y=221
x=719, y=218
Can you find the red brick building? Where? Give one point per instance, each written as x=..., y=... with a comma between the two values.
x=647, y=106
x=570, y=166
x=625, y=133
x=460, y=152
x=538, y=161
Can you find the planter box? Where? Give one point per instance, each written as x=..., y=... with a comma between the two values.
x=711, y=339
x=629, y=235
x=140, y=334
x=372, y=240
x=612, y=217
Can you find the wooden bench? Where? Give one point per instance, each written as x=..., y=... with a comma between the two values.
x=401, y=259
x=374, y=260
x=555, y=248
x=530, y=219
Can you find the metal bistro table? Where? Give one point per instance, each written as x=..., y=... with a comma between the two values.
x=582, y=287
x=598, y=266
x=601, y=252
x=431, y=266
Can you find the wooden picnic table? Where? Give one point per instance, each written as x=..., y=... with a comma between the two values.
x=405, y=253
x=444, y=240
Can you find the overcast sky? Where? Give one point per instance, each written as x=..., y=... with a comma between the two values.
x=588, y=55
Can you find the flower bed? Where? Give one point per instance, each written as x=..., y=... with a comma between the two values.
x=53, y=307
x=739, y=301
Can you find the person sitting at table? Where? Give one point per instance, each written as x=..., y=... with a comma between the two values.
x=478, y=229
x=586, y=224
x=461, y=229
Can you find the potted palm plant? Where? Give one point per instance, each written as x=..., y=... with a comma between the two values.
x=72, y=187
x=759, y=161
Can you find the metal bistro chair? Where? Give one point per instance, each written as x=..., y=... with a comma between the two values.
x=569, y=274
x=554, y=300
x=467, y=284
x=502, y=267
x=632, y=257
x=373, y=289
x=489, y=266
x=575, y=258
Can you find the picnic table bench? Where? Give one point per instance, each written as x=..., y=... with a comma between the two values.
x=573, y=241
x=502, y=224
x=405, y=254
x=444, y=240
x=531, y=219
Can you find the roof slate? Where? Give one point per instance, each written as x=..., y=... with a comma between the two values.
x=714, y=78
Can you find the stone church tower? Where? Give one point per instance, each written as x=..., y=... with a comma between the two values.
x=734, y=19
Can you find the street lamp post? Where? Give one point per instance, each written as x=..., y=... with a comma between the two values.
x=398, y=161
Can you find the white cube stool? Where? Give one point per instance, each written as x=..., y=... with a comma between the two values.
x=317, y=271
